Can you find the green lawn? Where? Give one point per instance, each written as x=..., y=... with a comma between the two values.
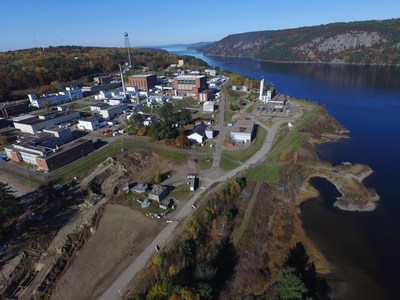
x=181, y=192
x=227, y=164
x=266, y=172
x=204, y=163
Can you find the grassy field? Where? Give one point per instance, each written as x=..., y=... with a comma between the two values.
x=244, y=154
x=266, y=172
x=181, y=192
x=204, y=163
x=227, y=164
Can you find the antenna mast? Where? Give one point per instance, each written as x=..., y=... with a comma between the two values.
x=127, y=46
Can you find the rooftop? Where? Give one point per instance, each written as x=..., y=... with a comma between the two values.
x=36, y=120
x=142, y=75
x=190, y=76
x=157, y=189
x=243, y=126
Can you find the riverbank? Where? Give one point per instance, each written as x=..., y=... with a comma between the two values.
x=338, y=63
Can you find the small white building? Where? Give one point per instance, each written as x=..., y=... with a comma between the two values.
x=208, y=106
x=210, y=72
x=242, y=131
x=200, y=133
x=91, y=123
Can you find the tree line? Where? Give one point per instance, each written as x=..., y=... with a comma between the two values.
x=48, y=69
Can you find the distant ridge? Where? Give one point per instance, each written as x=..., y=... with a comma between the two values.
x=361, y=42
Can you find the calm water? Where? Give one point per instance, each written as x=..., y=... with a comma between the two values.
x=364, y=248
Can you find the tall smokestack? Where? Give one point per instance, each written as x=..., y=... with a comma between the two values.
x=261, y=89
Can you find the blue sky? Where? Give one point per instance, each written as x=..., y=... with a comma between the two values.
x=158, y=22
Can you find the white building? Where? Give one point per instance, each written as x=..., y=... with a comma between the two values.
x=200, y=133
x=242, y=131
x=91, y=123
x=71, y=93
x=210, y=72
x=156, y=99
x=32, y=124
x=208, y=106
x=112, y=111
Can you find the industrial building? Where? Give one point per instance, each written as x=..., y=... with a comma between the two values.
x=48, y=150
x=91, y=123
x=190, y=85
x=112, y=111
x=71, y=93
x=144, y=82
x=32, y=124
x=10, y=109
x=242, y=131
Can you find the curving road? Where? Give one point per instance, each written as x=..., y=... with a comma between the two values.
x=121, y=284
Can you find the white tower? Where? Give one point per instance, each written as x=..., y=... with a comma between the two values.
x=261, y=89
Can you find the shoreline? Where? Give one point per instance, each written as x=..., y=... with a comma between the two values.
x=301, y=62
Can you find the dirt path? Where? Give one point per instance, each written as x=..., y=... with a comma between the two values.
x=122, y=235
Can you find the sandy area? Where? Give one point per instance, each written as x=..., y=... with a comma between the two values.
x=122, y=235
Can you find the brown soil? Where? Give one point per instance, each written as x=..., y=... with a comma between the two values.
x=123, y=233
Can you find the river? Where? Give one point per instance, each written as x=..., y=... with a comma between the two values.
x=363, y=248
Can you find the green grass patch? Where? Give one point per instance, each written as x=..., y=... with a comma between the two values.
x=204, y=163
x=244, y=154
x=227, y=164
x=250, y=109
x=266, y=172
x=181, y=192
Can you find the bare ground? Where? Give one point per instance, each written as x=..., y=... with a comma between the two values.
x=18, y=187
x=123, y=233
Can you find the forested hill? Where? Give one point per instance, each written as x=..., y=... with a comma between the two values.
x=364, y=42
x=45, y=70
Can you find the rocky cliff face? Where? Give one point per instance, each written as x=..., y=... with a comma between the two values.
x=368, y=42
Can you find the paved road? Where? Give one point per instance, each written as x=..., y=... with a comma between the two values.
x=121, y=284
x=223, y=130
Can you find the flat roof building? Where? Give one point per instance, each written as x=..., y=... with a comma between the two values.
x=144, y=82
x=112, y=111
x=71, y=93
x=242, y=131
x=190, y=84
x=32, y=124
x=14, y=108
